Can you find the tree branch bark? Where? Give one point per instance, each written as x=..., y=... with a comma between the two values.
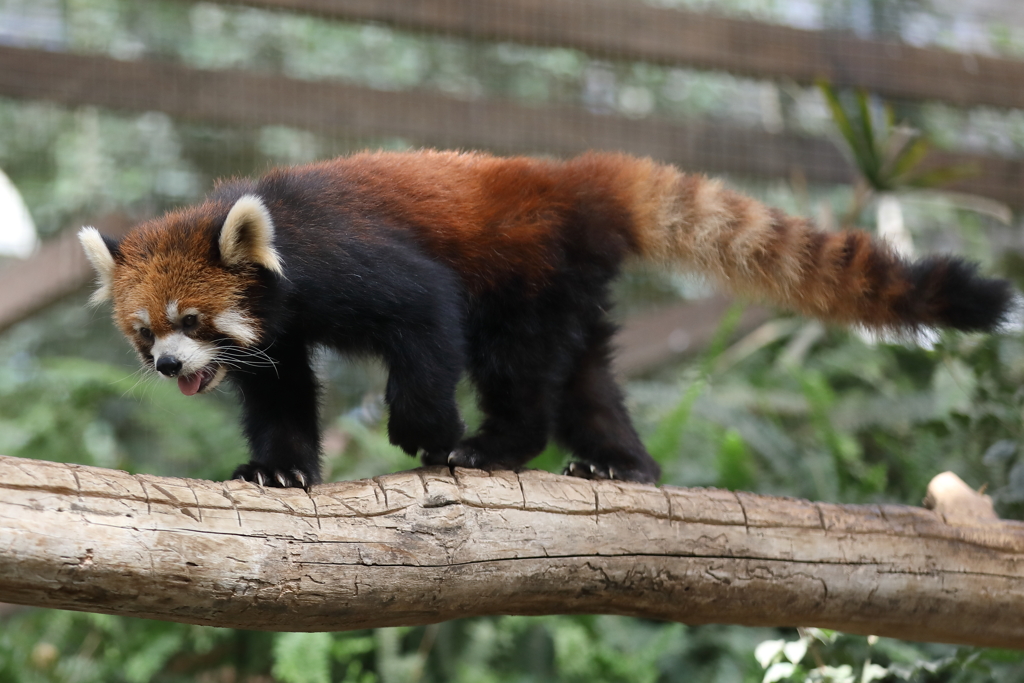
x=425, y=546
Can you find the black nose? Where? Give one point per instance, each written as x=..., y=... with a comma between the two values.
x=168, y=365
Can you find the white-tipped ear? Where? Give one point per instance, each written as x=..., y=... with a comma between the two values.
x=248, y=235
x=98, y=253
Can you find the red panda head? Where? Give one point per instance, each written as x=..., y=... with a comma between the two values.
x=179, y=285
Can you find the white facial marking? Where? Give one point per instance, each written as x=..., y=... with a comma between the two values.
x=172, y=312
x=237, y=325
x=141, y=319
x=222, y=371
x=194, y=355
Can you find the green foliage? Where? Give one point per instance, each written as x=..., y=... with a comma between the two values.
x=54, y=407
x=50, y=645
x=735, y=464
x=888, y=156
x=788, y=409
x=854, y=659
x=303, y=657
x=664, y=442
x=854, y=421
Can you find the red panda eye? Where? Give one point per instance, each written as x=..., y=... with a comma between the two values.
x=189, y=321
x=146, y=333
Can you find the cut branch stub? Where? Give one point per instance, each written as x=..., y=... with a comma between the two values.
x=423, y=546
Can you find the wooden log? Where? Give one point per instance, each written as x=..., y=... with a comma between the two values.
x=636, y=31
x=425, y=546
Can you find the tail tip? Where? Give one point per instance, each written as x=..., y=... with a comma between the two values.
x=962, y=299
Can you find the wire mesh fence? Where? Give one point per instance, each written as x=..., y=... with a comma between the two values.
x=124, y=105
x=112, y=111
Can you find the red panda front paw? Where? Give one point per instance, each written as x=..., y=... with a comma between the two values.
x=434, y=458
x=429, y=435
x=460, y=457
x=264, y=476
x=466, y=456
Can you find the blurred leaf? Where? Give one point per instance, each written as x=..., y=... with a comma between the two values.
x=1000, y=452
x=873, y=672
x=908, y=157
x=953, y=385
x=795, y=650
x=735, y=467
x=142, y=665
x=889, y=156
x=302, y=657
x=853, y=138
x=665, y=442
x=778, y=671
x=769, y=652
x=1013, y=492
x=937, y=177
x=872, y=157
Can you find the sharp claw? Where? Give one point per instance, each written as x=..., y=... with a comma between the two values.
x=260, y=480
x=281, y=479
x=301, y=478
x=593, y=470
x=451, y=456
x=611, y=473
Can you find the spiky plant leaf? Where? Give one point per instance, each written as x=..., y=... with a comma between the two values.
x=845, y=126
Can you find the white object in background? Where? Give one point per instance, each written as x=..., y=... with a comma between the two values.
x=891, y=227
x=17, y=231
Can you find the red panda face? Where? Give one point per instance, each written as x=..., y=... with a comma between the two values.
x=179, y=287
x=189, y=324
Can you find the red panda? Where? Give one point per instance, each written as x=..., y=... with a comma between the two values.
x=441, y=263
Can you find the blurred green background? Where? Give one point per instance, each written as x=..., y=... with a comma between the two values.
x=784, y=407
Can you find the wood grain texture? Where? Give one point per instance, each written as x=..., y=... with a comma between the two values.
x=425, y=546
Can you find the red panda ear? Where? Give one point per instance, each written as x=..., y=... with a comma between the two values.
x=247, y=236
x=100, y=252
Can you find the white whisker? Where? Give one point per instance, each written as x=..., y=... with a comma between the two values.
x=238, y=357
x=141, y=378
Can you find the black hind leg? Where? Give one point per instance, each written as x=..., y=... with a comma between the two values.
x=514, y=432
x=515, y=397
x=593, y=422
x=517, y=360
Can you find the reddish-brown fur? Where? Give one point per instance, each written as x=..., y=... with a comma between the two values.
x=489, y=218
x=173, y=255
x=443, y=263
x=492, y=219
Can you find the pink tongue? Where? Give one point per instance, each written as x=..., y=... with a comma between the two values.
x=189, y=384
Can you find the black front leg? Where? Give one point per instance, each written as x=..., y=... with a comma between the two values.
x=280, y=418
x=423, y=373
x=412, y=318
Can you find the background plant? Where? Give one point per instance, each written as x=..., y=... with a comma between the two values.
x=790, y=408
